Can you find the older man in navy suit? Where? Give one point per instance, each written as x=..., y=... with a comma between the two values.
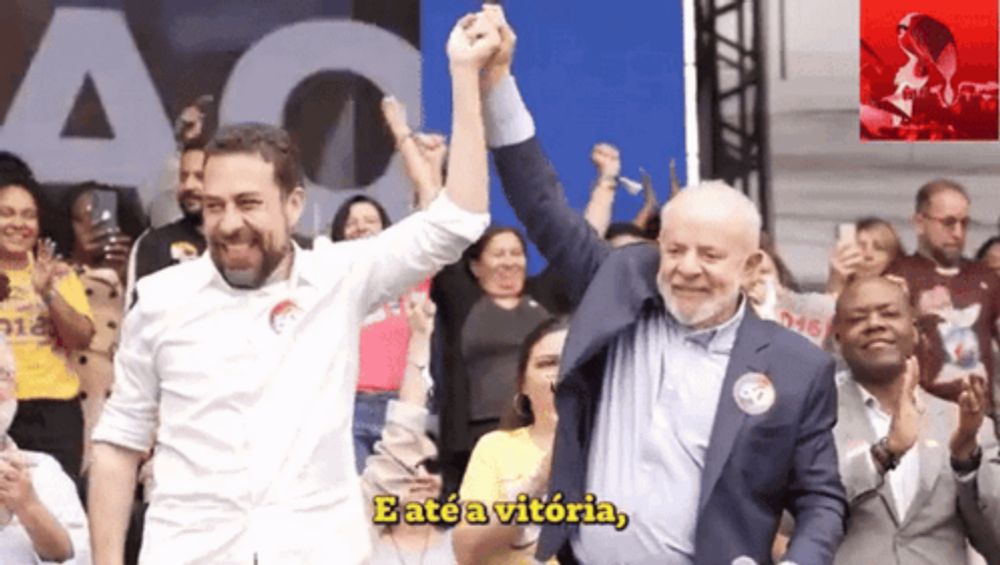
x=675, y=401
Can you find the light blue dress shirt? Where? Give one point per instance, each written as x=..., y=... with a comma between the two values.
x=654, y=420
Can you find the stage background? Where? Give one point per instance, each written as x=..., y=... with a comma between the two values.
x=90, y=89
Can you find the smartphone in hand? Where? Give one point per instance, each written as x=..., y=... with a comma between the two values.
x=847, y=232
x=104, y=210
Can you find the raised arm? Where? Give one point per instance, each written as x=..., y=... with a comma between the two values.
x=650, y=206
x=423, y=153
x=414, y=249
x=404, y=442
x=973, y=449
x=529, y=180
x=608, y=163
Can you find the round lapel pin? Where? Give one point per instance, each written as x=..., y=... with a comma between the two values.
x=284, y=315
x=754, y=393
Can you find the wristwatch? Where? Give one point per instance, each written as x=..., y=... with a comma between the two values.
x=884, y=456
x=969, y=465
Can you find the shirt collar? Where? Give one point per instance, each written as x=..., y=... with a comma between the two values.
x=717, y=339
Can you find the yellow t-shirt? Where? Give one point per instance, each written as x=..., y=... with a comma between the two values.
x=40, y=359
x=500, y=462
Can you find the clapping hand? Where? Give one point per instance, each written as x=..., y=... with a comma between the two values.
x=905, y=427
x=16, y=488
x=971, y=412
x=48, y=268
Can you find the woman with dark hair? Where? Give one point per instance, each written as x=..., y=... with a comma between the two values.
x=99, y=256
x=385, y=334
x=487, y=305
x=360, y=216
x=516, y=458
x=45, y=313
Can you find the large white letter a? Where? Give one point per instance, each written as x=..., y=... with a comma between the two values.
x=81, y=42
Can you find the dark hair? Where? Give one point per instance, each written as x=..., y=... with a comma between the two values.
x=270, y=143
x=935, y=187
x=985, y=247
x=623, y=228
x=475, y=251
x=653, y=227
x=785, y=277
x=29, y=184
x=520, y=414
x=344, y=212
x=13, y=166
x=194, y=144
x=869, y=222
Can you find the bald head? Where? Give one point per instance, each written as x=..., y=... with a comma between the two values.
x=715, y=202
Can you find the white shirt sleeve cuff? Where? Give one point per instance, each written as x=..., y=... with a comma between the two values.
x=443, y=211
x=506, y=117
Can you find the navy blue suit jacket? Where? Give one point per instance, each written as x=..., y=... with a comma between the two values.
x=756, y=466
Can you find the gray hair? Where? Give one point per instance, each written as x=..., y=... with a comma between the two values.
x=718, y=194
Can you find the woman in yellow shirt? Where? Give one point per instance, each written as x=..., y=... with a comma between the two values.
x=43, y=313
x=516, y=458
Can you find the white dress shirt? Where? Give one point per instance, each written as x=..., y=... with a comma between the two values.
x=58, y=494
x=252, y=426
x=905, y=478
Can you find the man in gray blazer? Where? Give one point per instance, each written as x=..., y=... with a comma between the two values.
x=922, y=475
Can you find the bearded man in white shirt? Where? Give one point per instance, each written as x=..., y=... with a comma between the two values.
x=241, y=366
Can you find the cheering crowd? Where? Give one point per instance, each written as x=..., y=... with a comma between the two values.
x=215, y=388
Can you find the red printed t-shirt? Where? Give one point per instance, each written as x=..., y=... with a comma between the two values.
x=957, y=313
x=385, y=339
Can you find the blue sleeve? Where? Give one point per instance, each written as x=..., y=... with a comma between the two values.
x=561, y=234
x=816, y=494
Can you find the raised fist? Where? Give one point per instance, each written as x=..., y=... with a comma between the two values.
x=606, y=159
x=473, y=42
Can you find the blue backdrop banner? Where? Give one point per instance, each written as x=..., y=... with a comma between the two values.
x=589, y=72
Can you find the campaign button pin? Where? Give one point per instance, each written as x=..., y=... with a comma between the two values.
x=283, y=315
x=754, y=393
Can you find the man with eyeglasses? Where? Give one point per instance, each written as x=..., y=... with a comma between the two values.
x=957, y=299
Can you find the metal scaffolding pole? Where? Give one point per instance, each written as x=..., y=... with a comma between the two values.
x=732, y=97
